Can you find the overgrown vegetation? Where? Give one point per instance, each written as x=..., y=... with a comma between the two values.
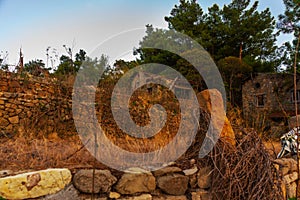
x=241, y=172
x=239, y=38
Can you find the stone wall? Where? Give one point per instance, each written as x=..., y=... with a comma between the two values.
x=26, y=101
x=287, y=168
x=169, y=183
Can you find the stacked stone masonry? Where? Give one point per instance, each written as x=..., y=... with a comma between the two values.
x=287, y=167
x=27, y=100
x=169, y=183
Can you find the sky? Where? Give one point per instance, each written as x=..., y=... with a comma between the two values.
x=116, y=26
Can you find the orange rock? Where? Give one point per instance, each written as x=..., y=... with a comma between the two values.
x=219, y=121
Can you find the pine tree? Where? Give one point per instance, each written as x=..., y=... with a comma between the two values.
x=289, y=23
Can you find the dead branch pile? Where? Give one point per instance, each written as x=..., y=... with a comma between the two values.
x=244, y=172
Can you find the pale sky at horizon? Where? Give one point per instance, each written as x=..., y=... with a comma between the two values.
x=35, y=25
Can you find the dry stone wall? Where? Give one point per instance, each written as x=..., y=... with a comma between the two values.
x=169, y=183
x=26, y=101
x=287, y=167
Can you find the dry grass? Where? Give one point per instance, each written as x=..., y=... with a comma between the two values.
x=32, y=154
x=35, y=147
x=139, y=106
x=244, y=172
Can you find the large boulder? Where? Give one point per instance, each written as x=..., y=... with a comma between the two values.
x=131, y=183
x=34, y=184
x=103, y=180
x=174, y=184
x=219, y=120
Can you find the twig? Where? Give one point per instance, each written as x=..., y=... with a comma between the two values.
x=296, y=108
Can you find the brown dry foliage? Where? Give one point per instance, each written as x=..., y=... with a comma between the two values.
x=245, y=172
x=139, y=105
x=241, y=172
x=21, y=153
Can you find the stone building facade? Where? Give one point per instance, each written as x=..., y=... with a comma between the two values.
x=268, y=99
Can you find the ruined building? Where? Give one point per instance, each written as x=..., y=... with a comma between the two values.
x=268, y=99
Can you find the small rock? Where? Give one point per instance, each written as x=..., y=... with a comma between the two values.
x=291, y=190
x=3, y=122
x=18, y=111
x=14, y=119
x=114, y=195
x=169, y=164
x=290, y=178
x=136, y=170
x=169, y=197
x=29, y=113
x=4, y=173
x=287, y=165
x=69, y=193
x=176, y=197
x=29, y=104
x=159, y=198
x=192, y=161
x=191, y=171
x=166, y=170
x=103, y=181
x=201, y=195
x=174, y=184
x=138, y=182
x=9, y=127
x=141, y=197
x=89, y=197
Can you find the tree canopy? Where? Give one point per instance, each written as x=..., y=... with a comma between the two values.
x=289, y=23
x=36, y=68
x=69, y=66
x=167, y=39
x=238, y=29
x=239, y=37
